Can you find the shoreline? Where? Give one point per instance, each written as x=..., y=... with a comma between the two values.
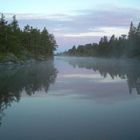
x=11, y=58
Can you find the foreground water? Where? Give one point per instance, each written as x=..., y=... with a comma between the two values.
x=70, y=99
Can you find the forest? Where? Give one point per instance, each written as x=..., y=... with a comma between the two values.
x=125, y=46
x=28, y=42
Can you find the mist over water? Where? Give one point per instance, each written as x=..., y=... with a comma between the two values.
x=70, y=98
x=124, y=69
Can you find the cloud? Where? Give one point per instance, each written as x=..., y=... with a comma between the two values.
x=83, y=24
x=103, y=31
x=83, y=21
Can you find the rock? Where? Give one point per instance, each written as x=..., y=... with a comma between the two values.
x=10, y=58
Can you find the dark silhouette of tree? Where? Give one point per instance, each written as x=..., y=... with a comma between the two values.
x=31, y=41
x=3, y=34
x=27, y=78
x=123, y=46
x=114, y=68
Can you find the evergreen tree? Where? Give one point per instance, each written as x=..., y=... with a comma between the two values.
x=3, y=34
x=14, y=40
x=132, y=31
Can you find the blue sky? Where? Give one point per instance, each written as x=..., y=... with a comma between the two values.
x=75, y=21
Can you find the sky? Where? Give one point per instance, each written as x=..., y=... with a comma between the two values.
x=75, y=22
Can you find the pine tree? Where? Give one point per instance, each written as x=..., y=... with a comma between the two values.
x=132, y=31
x=3, y=34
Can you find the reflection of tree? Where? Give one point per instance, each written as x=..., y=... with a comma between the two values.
x=129, y=69
x=28, y=78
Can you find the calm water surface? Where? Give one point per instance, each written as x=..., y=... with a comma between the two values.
x=70, y=99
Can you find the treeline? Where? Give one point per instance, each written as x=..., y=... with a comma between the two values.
x=123, y=46
x=27, y=41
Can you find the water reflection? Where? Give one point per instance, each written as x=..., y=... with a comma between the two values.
x=30, y=78
x=125, y=69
